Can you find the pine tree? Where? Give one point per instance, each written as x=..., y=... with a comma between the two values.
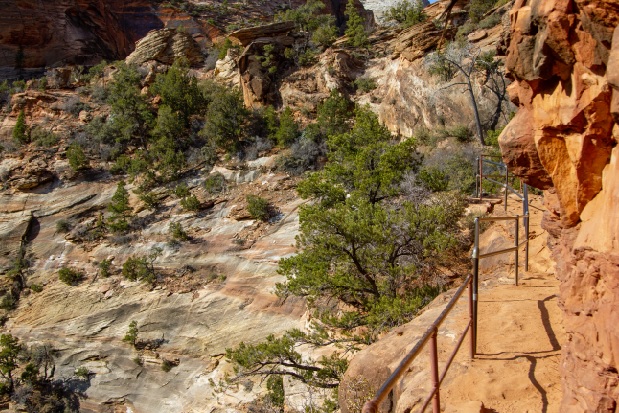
x=355, y=30
x=119, y=209
x=20, y=131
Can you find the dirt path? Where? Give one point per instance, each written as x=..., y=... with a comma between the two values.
x=519, y=336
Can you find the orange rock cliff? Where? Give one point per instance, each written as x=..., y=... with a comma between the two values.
x=564, y=59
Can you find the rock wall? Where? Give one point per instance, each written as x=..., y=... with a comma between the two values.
x=563, y=139
x=36, y=34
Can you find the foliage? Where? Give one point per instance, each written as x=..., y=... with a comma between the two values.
x=63, y=226
x=20, y=130
x=105, y=267
x=179, y=91
x=223, y=47
x=433, y=179
x=70, y=276
x=365, y=85
x=215, y=183
x=131, y=336
x=269, y=58
x=280, y=357
x=288, y=129
x=276, y=395
x=355, y=27
x=258, y=208
x=119, y=209
x=43, y=138
x=138, y=268
x=76, y=157
x=190, y=203
x=36, y=288
x=406, y=13
x=368, y=255
x=177, y=232
x=9, y=352
x=131, y=116
x=166, y=365
x=82, y=372
x=316, y=28
x=226, y=119
x=334, y=114
x=478, y=8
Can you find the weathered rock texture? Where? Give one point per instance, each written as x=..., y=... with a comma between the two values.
x=36, y=34
x=165, y=46
x=563, y=56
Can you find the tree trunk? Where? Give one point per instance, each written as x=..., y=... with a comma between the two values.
x=480, y=133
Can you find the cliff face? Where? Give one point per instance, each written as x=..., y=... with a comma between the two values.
x=40, y=33
x=563, y=139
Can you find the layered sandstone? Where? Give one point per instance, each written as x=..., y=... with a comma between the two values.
x=563, y=57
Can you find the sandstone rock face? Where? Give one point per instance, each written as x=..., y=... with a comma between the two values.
x=165, y=46
x=36, y=34
x=215, y=291
x=563, y=56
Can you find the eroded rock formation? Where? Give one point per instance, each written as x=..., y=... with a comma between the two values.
x=165, y=46
x=563, y=56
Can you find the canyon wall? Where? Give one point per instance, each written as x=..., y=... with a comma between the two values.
x=563, y=58
x=35, y=34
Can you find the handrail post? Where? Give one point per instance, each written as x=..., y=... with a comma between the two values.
x=506, y=185
x=517, y=248
x=474, y=283
x=471, y=337
x=436, y=400
x=477, y=177
x=481, y=177
x=525, y=200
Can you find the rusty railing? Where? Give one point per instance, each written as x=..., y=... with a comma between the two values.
x=472, y=282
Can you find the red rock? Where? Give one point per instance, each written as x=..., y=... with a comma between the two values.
x=558, y=57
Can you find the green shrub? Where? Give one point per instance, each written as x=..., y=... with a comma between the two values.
x=215, y=183
x=43, y=138
x=70, y=276
x=433, y=179
x=63, y=226
x=8, y=302
x=138, y=269
x=477, y=9
x=190, y=203
x=406, y=13
x=288, y=129
x=258, y=207
x=131, y=336
x=177, y=232
x=105, y=268
x=36, y=288
x=76, y=157
x=20, y=130
x=490, y=21
x=82, y=372
x=461, y=132
x=365, y=84
x=181, y=191
x=119, y=209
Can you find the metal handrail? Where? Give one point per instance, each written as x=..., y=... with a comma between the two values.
x=430, y=334
x=472, y=281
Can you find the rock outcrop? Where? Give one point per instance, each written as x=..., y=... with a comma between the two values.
x=563, y=57
x=165, y=46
